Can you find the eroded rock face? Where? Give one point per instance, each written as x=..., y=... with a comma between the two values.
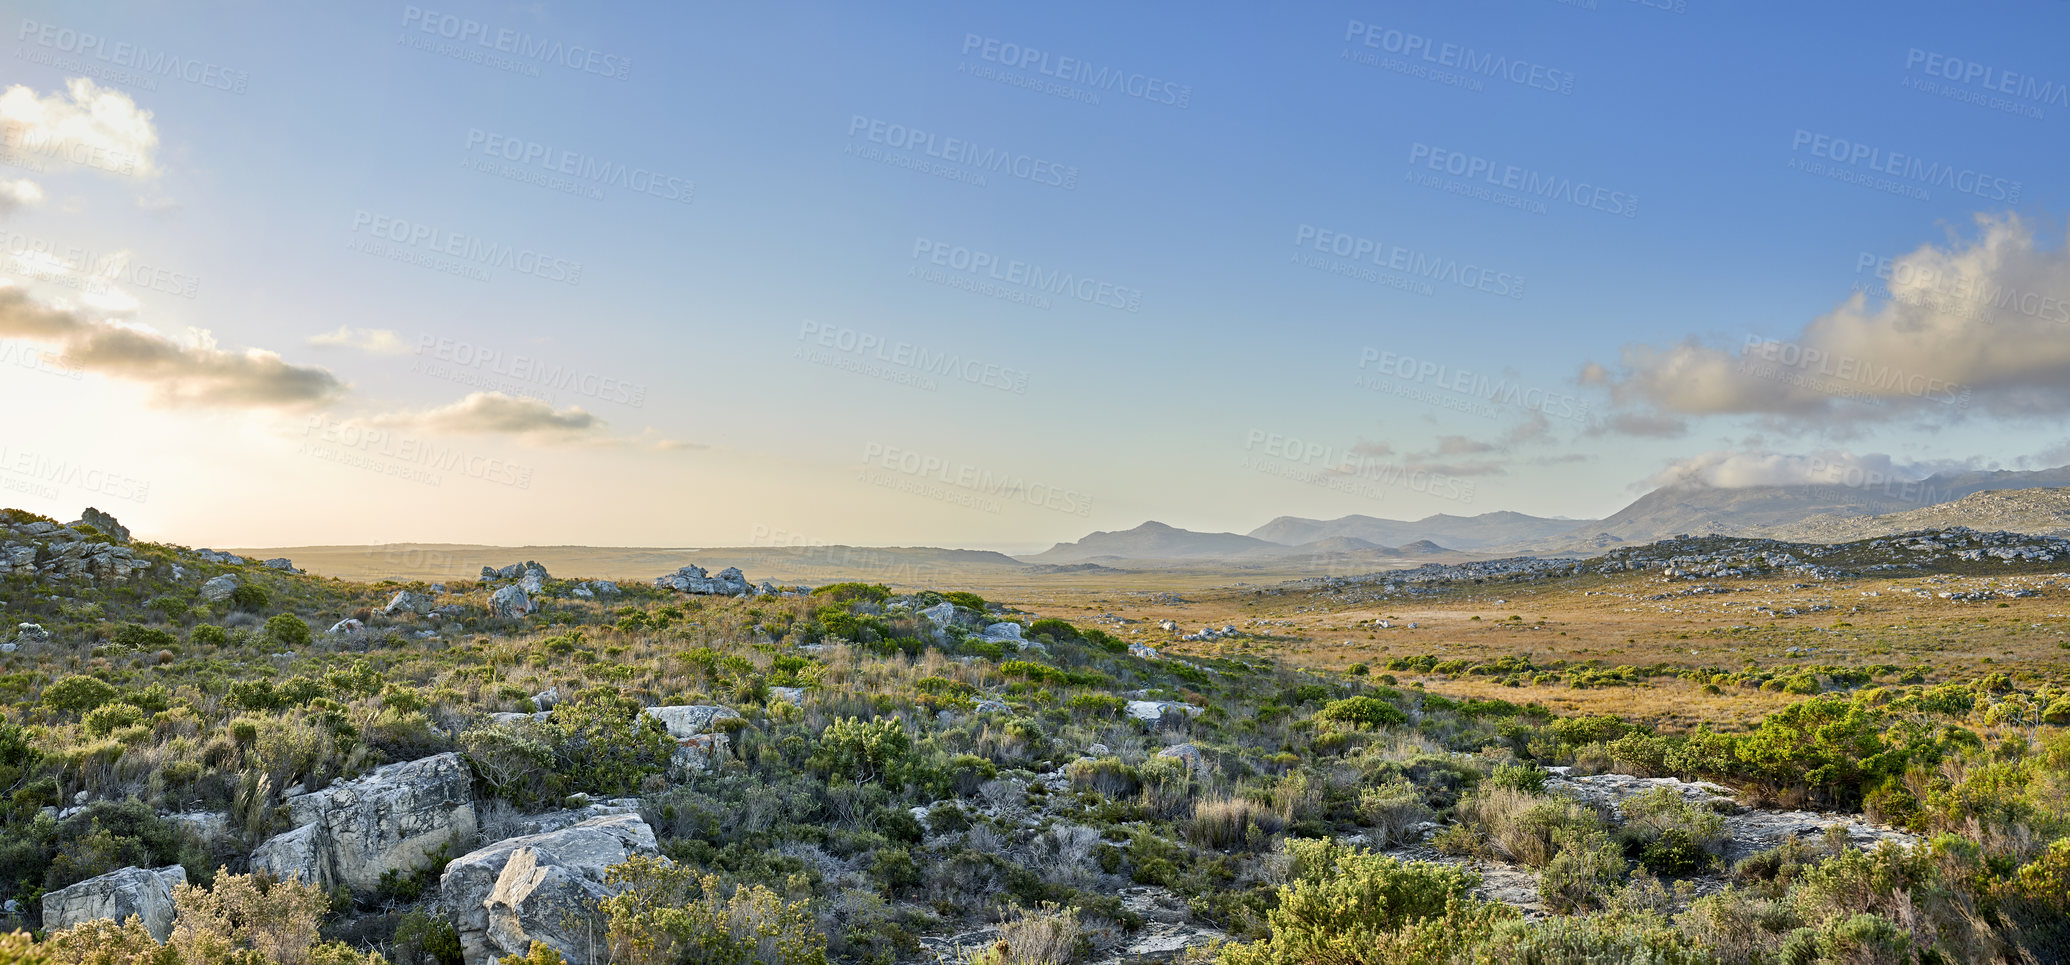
x=394, y=819
x=106, y=523
x=540, y=887
x=145, y=893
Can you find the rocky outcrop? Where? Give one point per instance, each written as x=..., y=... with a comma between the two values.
x=282, y=564
x=106, y=523
x=540, y=887
x=692, y=579
x=393, y=819
x=145, y=893
x=408, y=601
x=1747, y=830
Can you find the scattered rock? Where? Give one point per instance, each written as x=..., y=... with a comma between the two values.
x=546, y=699
x=1186, y=752
x=282, y=564
x=347, y=626
x=692, y=579
x=789, y=695
x=145, y=893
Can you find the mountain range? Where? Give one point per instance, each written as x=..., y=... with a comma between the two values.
x=2028, y=501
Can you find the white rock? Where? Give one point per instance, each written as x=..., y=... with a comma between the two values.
x=393, y=819
x=509, y=602
x=117, y=895
x=540, y=887
x=690, y=720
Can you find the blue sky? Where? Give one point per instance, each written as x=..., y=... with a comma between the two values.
x=1202, y=196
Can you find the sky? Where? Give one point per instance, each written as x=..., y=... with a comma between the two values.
x=996, y=276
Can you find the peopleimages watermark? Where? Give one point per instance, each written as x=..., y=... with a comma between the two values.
x=488, y=368
x=451, y=252
x=1346, y=471
x=1843, y=375
x=48, y=475
x=566, y=171
x=120, y=61
x=1905, y=175
x=1463, y=390
x=501, y=48
x=1511, y=185
x=90, y=271
x=400, y=455
x=1850, y=474
x=1407, y=264
x=817, y=552
x=952, y=158
x=981, y=272
x=31, y=356
x=961, y=483
x=1069, y=78
x=1955, y=293
x=1447, y=63
x=35, y=149
x=899, y=361
x=1975, y=82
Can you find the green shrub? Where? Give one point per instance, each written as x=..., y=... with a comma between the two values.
x=208, y=634
x=250, y=597
x=78, y=693
x=288, y=630
x=1362, y=712
x=1349, y=906
x=664, y=914
x=107, y=718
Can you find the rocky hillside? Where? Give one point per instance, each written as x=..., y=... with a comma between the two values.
x=583, y=770
x=2039, y=511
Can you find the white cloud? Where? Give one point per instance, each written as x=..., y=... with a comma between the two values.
x=1728, y=469
x=1982, y=323
x=19, y=193
x=188, y=371
x=373, y=341
x=532, y=420
x=86, y=126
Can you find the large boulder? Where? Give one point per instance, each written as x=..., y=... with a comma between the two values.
x=143, y=892
x=510, y=602
x=219, y=588
x=690, y=720
x=540, y=887
x=409, y=601
x=394, y=819
x=533, y=580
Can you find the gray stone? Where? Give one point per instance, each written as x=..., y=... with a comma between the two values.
x=690, y=720
x=106, y=523
x=407, y=601
x=282, y=564
x=789, y=695
x=509, y=602
x=347, y=626
x=540, y=887
x=1156, y=711
x=546, y=699
x=219, y=588
x=393, y=819
x=145, y=893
